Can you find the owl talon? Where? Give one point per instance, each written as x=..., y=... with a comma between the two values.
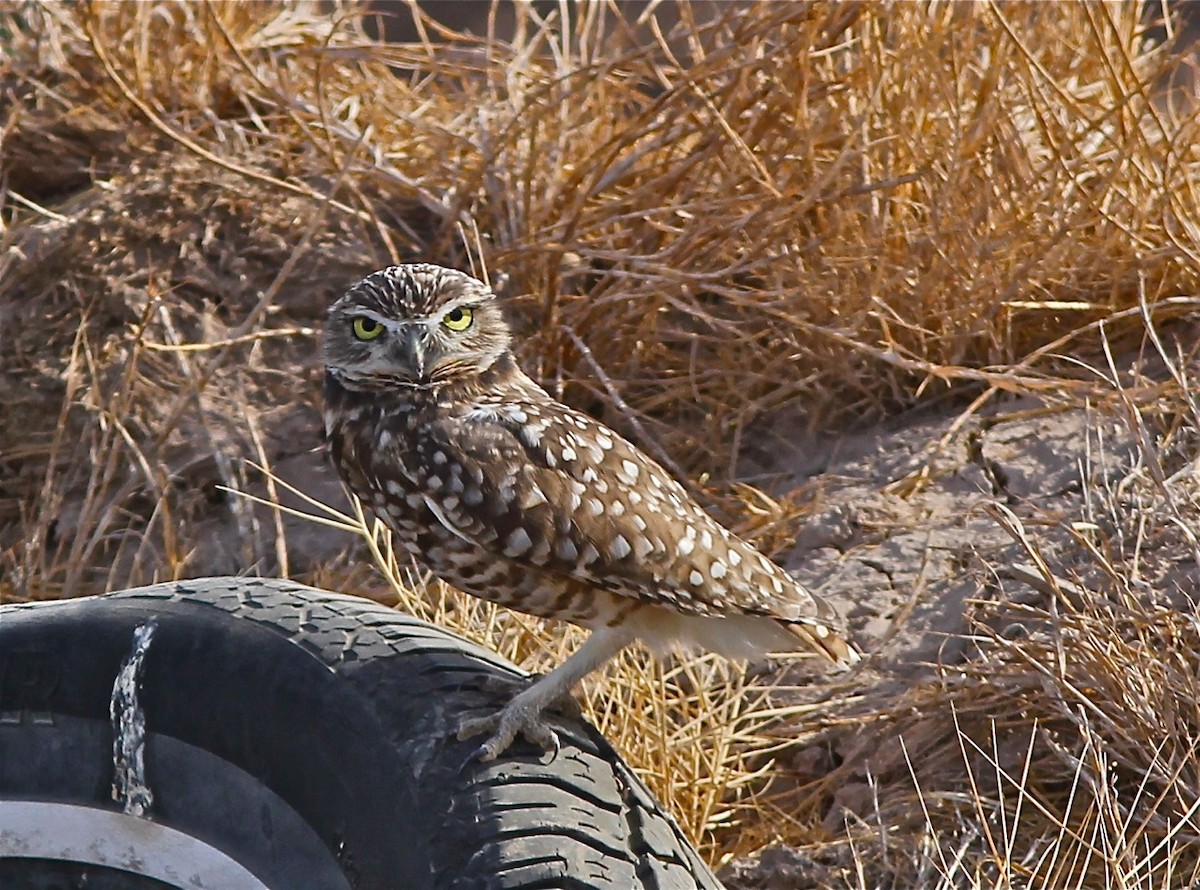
x=478, y=755
x=505, y=726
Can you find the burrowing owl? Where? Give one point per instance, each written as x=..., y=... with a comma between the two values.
x=513, y=497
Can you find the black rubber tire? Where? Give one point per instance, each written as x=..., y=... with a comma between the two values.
x=308, y=736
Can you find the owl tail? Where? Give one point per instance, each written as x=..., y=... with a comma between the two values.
x=826, y=641
x=747, y=636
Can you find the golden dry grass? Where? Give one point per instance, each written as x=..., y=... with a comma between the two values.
x=830, y=211
x=1064, y=753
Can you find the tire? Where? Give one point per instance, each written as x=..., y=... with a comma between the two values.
x=270, y=735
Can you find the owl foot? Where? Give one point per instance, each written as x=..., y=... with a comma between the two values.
x=523, y=715
x=516, y=718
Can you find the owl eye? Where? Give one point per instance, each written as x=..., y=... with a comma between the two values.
x=366, y=328
x=458, y=319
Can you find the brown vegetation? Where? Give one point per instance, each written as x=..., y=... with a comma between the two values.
x=770, y=222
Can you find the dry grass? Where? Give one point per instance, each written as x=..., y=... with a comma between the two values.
x=1064, y=753
x=830, y=212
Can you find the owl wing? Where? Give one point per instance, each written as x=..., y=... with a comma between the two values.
x=553, y=489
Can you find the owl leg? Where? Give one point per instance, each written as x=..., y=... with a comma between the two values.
x=523, y=715
x=512, y=685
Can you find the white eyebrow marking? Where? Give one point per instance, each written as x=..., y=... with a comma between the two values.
x=446, y=309
x=390, y=323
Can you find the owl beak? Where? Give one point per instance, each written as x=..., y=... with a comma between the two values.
x=412, y=349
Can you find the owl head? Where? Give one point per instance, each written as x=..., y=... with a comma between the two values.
x=413, y=326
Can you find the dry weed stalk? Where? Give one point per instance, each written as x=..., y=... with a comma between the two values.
x=1072, y=755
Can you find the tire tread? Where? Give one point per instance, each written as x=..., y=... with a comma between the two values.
x=581, y=821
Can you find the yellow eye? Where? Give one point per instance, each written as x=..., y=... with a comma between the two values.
x=366, y=328
x=458, y=319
